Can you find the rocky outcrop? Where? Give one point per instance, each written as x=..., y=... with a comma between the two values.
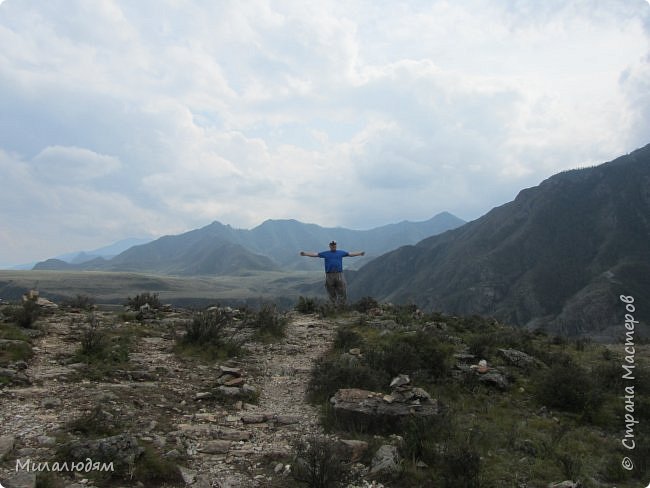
x=123, y=450
x=385, y=461
x=382, y=410
x=520, y=359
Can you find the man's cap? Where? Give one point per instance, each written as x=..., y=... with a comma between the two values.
x=333, y=243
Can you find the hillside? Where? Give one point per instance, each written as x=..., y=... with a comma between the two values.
x=219, y=249
x=174, y=398
x=557, y=257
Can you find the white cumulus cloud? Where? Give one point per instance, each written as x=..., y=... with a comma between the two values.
x=354, y=113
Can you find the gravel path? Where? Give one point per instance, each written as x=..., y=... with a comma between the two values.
x=233, y=444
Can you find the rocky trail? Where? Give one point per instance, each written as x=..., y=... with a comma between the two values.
x=168, y=402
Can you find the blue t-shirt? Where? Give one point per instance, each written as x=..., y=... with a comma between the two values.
x=333, y=260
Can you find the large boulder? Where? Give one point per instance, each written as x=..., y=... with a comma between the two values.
x=386, y=460
x=520, y=359
x=377, y=411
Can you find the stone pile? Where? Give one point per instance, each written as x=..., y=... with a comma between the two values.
x=403, y=401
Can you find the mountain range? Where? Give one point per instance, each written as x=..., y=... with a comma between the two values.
x=219, y=249
x=557, y=257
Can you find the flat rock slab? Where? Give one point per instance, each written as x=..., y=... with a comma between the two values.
x=215, y=447
x=369, y=403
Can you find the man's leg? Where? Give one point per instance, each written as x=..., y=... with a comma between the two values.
x=330, y=286
x=341, y=290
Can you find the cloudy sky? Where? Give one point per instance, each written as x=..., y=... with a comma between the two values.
x=130, y=119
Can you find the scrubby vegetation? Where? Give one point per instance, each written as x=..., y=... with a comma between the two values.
x=267, y=322
x=558, y=415
x=142, y=299
x=25, y=314
x=561, y=415
x=213, y=334
x=82, y=302
x=145, y=466
x=103, y=348
x=318, y=462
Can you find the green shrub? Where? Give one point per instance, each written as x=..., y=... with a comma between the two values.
x=403, y=314
x=485, y=344
x=24, y=315
x=328, y=310
x=103, y=350
x=461, y=467
x=307, y=305
x=607, y=375
x=14, y=351
x=453, y=458
x=330, y=375
x=318, y=462
x=268, y=323
x=346, y=339
x=47, y=479
x=365, y=304
x=571, y=465
x=210, y=327
x=93, y=340
x=419, y=354
x=423, y=436
x=566, y=386
x=145, y=298
x=97, y=423
x=151, y=469
x=214, y=334
x=84, y=302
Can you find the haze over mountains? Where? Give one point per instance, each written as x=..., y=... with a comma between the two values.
x=274, y=245
x=558, y=256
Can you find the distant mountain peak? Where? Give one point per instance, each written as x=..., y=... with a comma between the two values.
x=545, y=259
x=219, y=248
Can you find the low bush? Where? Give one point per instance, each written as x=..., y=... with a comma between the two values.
x=267, y=322
x=567, y=386
x=93, y=339
x=307, y=305
x=484, y=344
x=365, y=304
x=330, y=375
x=214, y=334
x=346, y=339
x=96, y=423
x=461, y=466
x=24, y=315
x=47, y=479
x=104, y=350
x=423, y=436
x=418, y=354
x=145, y=298
x=318, y=462
x=403, y=314
x=83, y=302
x=14, y=351
x=452, y=458
x=151, y=469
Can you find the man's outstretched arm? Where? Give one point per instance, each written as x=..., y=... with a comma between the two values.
x=355, y=254
x=310, y=254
